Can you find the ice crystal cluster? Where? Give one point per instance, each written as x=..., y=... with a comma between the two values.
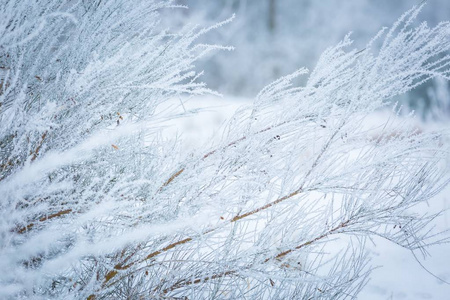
x=97, y=204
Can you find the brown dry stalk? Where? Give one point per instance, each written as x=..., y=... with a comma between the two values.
x=198, y=280
x=331, y=231
x=175, y=175
x=111, y=274
x=185, y=283
x=52, y=216
x=229, y=145
x=7, y=164
x=178, y=173
x=36, y=151
x=121, y=266
x=257, y=210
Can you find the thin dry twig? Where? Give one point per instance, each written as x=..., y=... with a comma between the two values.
x=184, y=283
x=52, y=216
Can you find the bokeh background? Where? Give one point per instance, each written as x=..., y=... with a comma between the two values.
x=273, y=38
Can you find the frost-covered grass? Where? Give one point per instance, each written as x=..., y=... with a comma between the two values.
x=100, y=200
x=397, y=275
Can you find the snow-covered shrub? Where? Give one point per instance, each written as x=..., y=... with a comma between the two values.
x=96, y=204
x=79, y=83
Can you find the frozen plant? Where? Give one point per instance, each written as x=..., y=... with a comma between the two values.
x=79, y=82
x=97, y=205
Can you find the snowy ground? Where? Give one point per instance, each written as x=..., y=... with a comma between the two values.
x=399, y=275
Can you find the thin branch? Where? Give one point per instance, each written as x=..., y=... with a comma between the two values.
x=52, y=216
x=184, y=283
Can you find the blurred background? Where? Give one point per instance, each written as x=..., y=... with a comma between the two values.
x=273, y=38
